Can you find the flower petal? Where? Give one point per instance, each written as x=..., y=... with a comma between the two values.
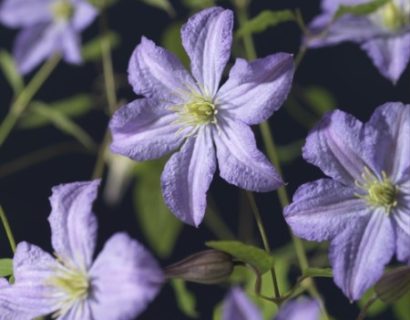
x=25, y=13
x=35, y=44
x=84, y=15
x=401, y=223
x=71, y=46
x=240, y=162
x=359, y=254
x=394, y=117
x=143, y=131
x=342, y=147
x=256, y=89
x=237, y=306
x=73, y=225
x=187, y=176
x=300, y=309
x=323, y=209
x=156, y=73
x=126, y=278
x=207, y=38
x=30, y=296
x=390, y=55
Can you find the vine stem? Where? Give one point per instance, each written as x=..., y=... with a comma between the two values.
x=273, y=156
x=7, y=229
x=23, y=100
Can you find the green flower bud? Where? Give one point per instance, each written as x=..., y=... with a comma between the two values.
x=394, y=284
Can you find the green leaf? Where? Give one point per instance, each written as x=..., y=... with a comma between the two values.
x=376, y=308
x=6, y=267
x=319, y=100
x=171, y=40
x=100, y=4
x=186, y=301
x=10, y=72
x=71, y=107
x=360, y=9
x=196, y=5
x=159, y=225
x=92, y=51
x=401, y=307
x=161, y=4
x=318, y=272
x=265, y=20
x=60, y=121
x=290, y=152
x=256, y=257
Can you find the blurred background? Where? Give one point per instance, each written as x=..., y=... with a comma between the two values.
x=40, y=154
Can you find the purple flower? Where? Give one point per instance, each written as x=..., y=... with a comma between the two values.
x=49, y=27
x=118, y=284
x=300, y=309
x=363, y=209
x=191, y=109
x=383, y=34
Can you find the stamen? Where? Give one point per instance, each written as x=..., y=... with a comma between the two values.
x=391, y=17
x=62, y=10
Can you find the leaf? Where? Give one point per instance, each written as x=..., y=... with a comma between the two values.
x=186, y=301
x=159, y=225
x=198, y=4
x=394, y=284
x=71, y=107
x=92, y=50
x=10, y=72
x=319, y=100
x=376, y=307
x=360, y=9
x=256, y=257
x=318, y=272
x=161, y=4
x=171, y=40
x=290, y=152
x=401, y=307
x=6, y=267
x=265, y=20
x=100, y=4
x=60, y=121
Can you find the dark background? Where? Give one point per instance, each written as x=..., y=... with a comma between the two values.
x=344, y=70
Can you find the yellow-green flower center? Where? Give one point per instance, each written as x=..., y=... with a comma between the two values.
x=381, y=192
x=62, y=10
x=391, y=17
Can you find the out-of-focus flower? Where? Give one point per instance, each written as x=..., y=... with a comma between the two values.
x=299, y=309
x=384, y=34
x=49, y=27
x=191, y=109
x=119, y=284
x=364, y=208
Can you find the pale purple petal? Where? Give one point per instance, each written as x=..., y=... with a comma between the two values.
x=394, y=117
x=156, y=73
x=240, y=162
x=187, y=177
x=323, y=209
x=342, y=147
x=359, y=254
x=35, y=44
x=207, y=38
x=141, y=130
x=256, y=89
x=84, y=15
x=73, y=225
x=333, y=5
x=126, y=278
x=25, y=13
x=71, y=46
x=390, y=55
x=237, y=306
x=300, y=309
x=401, y=223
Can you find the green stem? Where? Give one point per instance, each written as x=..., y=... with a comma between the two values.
x=24, y=99
x=265, y=241
x=7, y=228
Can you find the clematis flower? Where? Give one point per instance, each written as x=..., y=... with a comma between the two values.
x=49, y=27
x=383, y=34
x=191, y=109
x=363, y=208
x=237, y=306
x=119, y=284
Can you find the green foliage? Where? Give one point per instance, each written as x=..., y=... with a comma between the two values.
x=376, y=308
x=92, y=50
x=62, y=122
x=161, y=4
x=160, y=227
x=318, y=272
x=254, y=256
x=319, y=100
x=186, y=301
x=6, y=267
x=401, y=307
x=288, y=153
x=394, y=284
x=360, y=9
x=265, y=20
x=72, y=107
x=101, y=4
x=198, y=4
x=171, y=40
x=10, y=72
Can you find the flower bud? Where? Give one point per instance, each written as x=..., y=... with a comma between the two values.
x=206, y=267
x=394, y=284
